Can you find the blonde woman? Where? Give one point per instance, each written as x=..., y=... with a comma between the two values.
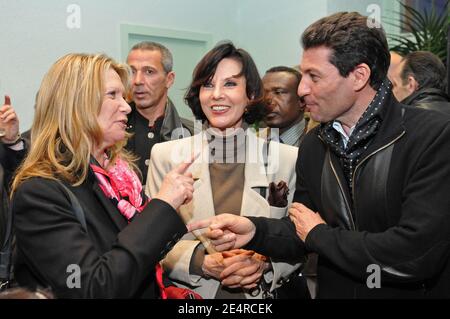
x=225, y=94
x=77, y=148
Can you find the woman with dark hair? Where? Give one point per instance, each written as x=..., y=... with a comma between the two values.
x=237, y=172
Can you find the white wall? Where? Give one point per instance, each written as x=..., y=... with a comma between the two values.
x=389, y=10
x=271, y=30
x=352, y=5
x=34, y=34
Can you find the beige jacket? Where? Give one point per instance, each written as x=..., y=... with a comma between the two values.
x=281, y=166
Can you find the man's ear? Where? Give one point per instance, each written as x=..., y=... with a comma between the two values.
x=413, y=85
x=361, y=75
x=170, y=79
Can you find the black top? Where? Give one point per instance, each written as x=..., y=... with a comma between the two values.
x=144, y=138
x=116, y=259
x=430, y=99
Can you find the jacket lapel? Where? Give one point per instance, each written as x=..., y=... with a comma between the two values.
x=171, y=122
x=203, y=201
x=202, y=204
x=336, y=199
x=253, y=202
x=131, y=128
x=113, y=212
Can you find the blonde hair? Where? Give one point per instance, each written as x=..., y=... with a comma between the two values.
x=65, y=126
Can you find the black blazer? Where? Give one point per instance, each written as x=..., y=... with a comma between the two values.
x=116, y=259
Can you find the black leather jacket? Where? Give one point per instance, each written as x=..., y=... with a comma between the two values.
x=430, y=99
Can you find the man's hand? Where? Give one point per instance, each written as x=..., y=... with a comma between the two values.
x=9, y=122
x=304, y=219
x=226, y=231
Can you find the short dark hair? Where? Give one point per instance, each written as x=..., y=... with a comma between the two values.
x=166, y=55
x=352, y=42
x=426, y=68
x=286, y=69
x=205, y=70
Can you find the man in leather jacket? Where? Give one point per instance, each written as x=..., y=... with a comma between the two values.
x=153, y=118
x=372, y=184
x=420, y=80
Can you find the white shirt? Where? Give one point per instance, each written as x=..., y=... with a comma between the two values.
x=345, y=138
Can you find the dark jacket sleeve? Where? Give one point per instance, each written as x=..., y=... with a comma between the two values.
x=302, y=194
x=418, y=246
x=10, y=160
x=51, y=239
x=276, y=238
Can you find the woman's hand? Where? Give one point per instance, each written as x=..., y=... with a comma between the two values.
x=213, y=265
x=226, y=231
x=177, y=187
x=244, y=268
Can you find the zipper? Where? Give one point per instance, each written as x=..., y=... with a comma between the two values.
x=367, y=157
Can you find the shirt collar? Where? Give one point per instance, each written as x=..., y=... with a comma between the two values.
x=345, y=138
x=292, y=135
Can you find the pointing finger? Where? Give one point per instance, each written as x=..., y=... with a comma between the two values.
x=183, y=167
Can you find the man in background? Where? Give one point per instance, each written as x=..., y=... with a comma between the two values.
x=420, y=80
x=153, y=118
x=286, y=111
x=285, y=107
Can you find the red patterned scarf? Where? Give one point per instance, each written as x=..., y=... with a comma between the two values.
x=121, y=184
